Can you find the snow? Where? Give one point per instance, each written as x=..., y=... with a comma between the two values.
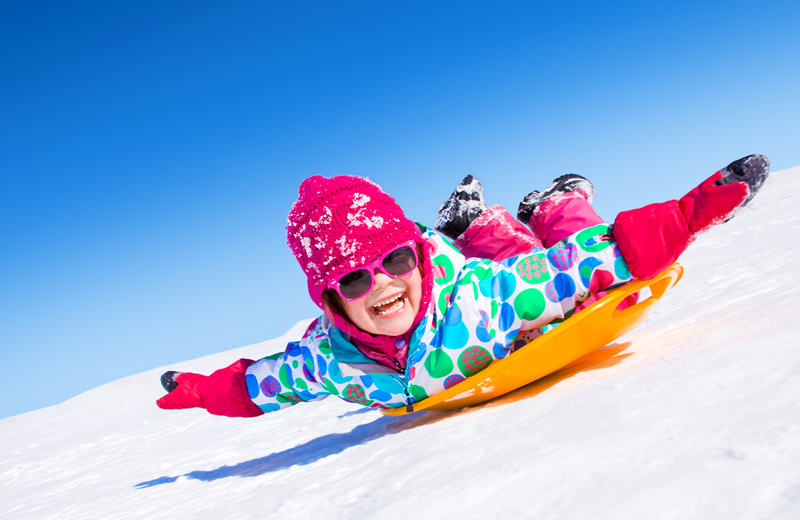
x=694, y=415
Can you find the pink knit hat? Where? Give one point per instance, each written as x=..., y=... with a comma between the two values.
x=339, y=224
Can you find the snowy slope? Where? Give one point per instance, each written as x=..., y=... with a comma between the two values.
x=694, y=415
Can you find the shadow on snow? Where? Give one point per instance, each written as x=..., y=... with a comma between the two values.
x=303, y=454
x=334, y=443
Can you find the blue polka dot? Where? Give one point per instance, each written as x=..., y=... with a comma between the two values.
x=418, y=354
x=508, y=283
x=586, y=268
x=252, y=386
x=387, y=384
x=499, y=350
x=271, y=407
x=453, y=380
x=483, y=333
x=322, y=365
x=436, y=340
x=336, y=375
x=508, y=262
x=453, y=316
x=621, y=268
x=380, y=395
x=366, y=380
x=551, y=292
x=511, y=336
x=490, y=287
x=420, y=330
x=455, y=336
x=564, y=285
x=270, y=386
x=507, y=316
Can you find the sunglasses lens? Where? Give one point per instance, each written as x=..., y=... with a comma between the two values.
x=400, y=261
x=355, y=284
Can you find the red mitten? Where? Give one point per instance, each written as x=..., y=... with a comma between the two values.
x=711, y=202
x=653, y=237
x=224, y=392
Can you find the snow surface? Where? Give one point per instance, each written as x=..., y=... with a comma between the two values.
x=694, y=415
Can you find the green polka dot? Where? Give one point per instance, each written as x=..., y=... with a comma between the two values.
x=495, y=307
x=283, y=375
x=438, y=364
x=473, y=360
x=492, y=333
x=442, y=302
x=288, y=398
x=529, y=304
x=329, y=386
x=295, y=364
x=447, y=266
x=483, y=273
x=325, y=347
x=533, y=269
x=356, y=394
x=418, y=392
x=299, y=383
x=591, y=232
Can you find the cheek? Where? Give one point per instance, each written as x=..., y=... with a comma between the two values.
x=354, y=310
x=415, y=287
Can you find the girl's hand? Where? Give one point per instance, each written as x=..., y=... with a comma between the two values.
x=224, y=392
x=185, y=390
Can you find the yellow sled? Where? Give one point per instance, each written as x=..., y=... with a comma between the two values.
x=591, y=329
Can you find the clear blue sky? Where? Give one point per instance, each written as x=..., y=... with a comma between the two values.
x=149, y=150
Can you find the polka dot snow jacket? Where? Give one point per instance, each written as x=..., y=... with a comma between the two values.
x=480, y=311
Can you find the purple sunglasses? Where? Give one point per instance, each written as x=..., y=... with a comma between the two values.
x=397, y=262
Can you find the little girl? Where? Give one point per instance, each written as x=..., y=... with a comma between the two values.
x=408, y=314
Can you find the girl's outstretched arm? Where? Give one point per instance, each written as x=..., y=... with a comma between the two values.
x=224, y=392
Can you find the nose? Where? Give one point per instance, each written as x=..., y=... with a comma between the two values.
x=381, y=280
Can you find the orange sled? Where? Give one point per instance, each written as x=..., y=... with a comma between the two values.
x=591, y=329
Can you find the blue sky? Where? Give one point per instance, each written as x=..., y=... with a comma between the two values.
x=150, y=150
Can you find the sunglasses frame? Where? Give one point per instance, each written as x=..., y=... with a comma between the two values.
x=370, y=268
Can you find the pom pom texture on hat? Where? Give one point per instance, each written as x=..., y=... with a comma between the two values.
x=341, y=223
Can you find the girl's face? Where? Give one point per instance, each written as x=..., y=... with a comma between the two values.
x=390, y=307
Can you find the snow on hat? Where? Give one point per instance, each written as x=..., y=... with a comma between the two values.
x=341, y=223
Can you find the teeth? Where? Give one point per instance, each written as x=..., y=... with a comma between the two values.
x=398, y=304
x=387, y=301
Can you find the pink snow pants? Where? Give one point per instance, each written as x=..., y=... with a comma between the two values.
x=497, y=235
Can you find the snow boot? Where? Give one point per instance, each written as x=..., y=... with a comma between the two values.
x=564, y=184
x=461, y=208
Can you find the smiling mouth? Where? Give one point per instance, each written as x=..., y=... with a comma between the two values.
x=390, y=305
